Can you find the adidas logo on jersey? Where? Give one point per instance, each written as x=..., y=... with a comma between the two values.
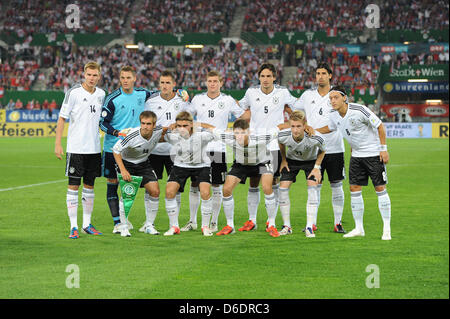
x=85, y=100
x=313, y=102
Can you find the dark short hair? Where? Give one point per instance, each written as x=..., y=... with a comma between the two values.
x=167, y=73
x=269, y=66
x=339, y=88
x=146, y=115
x=326, y=66
x=240, y=123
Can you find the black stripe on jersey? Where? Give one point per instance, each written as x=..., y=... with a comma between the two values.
x=110, y=97
x=66, y=99
x=129, y=137
x=288, y=133
x=358, y=108
x=318, y=138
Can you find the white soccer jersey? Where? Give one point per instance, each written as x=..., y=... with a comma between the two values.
x=166, y=112
x=359, y=126
x=189, y=152
x=317, y=108
x=305, y=150
x=267, y=110
x=215, y=112
x=136, y=149
x=255, y=152
x=83, y=111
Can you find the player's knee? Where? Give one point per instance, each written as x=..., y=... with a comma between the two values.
x=267, y=189
x=355, y=188
x=380, y=188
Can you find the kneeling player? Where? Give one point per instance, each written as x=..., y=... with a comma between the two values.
x=252, y=159
x=131, y=155
x=190, y=161
x=304, y=153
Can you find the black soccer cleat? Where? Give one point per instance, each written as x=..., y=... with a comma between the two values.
x=339, y=229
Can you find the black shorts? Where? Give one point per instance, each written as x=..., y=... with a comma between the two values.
x=294, y=168
x=334, y=165
x=86, y=166
x=218, y=167
x=181, y=174
x=158, y=163
x=109, y=165
x=143, y=169
x=243, y=171
x=361, y=168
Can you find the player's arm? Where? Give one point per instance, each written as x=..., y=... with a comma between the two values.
x=384, y=155
x=106, y=117
x=284, y=163
x=316, y=172
x=164, y=131
x=59, y=152
x=287, y=109
x=207, y=126
x=123, y=171
x=324, y=130
x=283, y=126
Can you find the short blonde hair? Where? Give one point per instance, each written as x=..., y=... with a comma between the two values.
x=298, y=115
x=92, y=65
x=214, y=73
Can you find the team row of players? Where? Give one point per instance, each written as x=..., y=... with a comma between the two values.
x=259, y=149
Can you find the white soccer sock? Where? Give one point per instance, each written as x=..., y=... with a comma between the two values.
x=337, y=200
x=253, y=199
x=216, y=203
x=206, y=211
x=271, y=207
x=311, y=206
x=172, y=211
x=178, y=199
x=319, y=189
x=228, y=209
x=276, y=189
x=87, y=200
x=72, y=207
x=384, y=205
x=285, y=206
x=151, y=208
x=194, y=202
x=357, y=203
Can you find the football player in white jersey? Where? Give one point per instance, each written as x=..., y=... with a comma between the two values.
x=305, y=153
x=266, y=103
x=252, y=159
x=82, y=107
x=131, y=155
x=315, y=103
x=212, y=107
x=190, y=158
x=166, y=104
x=366, y=135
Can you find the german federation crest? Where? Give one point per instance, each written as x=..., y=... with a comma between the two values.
x=276, y=100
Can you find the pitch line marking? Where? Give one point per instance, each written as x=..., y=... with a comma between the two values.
x=31, y=185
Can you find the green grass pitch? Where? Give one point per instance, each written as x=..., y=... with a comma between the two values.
x=35, y=250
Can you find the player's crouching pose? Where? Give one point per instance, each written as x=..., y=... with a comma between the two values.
x=304, y=153
x=191, y=160
x=131, y=155
x=82, y=105
x=367, y=137
x=252, y=159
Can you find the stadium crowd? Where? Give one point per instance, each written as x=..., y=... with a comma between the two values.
x=25, y=17
x=297, y=15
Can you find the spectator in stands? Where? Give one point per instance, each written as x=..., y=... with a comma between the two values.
x=19, y=105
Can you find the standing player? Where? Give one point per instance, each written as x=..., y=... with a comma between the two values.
x=120, y=110
x=82, y=105
x=266, y=103
x=131, y=155
x=315, y=103
x=212, y=107
x=190, y=161
x=304, y=153
x=166, y=104
x=367, y=137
